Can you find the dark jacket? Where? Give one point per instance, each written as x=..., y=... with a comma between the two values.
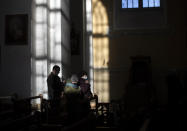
x=85, y=88
x=55, y=86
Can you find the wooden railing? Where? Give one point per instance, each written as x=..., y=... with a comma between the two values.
x=18, y=114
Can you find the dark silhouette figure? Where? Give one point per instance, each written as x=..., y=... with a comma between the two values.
x=85, y=85
x=55, y=86
x=76, y=106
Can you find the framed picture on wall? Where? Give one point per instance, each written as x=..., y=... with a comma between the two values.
x=16, y=29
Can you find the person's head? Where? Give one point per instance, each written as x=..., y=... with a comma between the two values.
x=84, y=75
x=56, y=69
x=74, y=79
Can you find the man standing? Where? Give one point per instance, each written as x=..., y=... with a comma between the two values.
x=55, y=86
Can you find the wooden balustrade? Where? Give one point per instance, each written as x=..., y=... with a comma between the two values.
x=18, y=114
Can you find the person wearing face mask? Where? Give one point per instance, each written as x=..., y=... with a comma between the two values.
x=85, y=85
x=75, y=106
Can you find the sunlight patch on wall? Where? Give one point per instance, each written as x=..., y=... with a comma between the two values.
x=41, y=67
x=100, y=19
x=46, y=43
x=41, y=39
x=102, y=84
x=55, y=36
x=55, y=4
x=41, y=1
x=40, y=31
x=101, y=51
x=87, y=45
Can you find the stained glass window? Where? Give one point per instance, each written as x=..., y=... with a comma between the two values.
x=140, y=3
x=130, y=4
x=157, y=3
x=151, y=3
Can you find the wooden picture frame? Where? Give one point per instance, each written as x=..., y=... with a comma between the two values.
x=16, y=29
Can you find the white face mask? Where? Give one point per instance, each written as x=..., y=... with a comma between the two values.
x=84, y=77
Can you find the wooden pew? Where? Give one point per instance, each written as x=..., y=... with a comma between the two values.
x=20, y=114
